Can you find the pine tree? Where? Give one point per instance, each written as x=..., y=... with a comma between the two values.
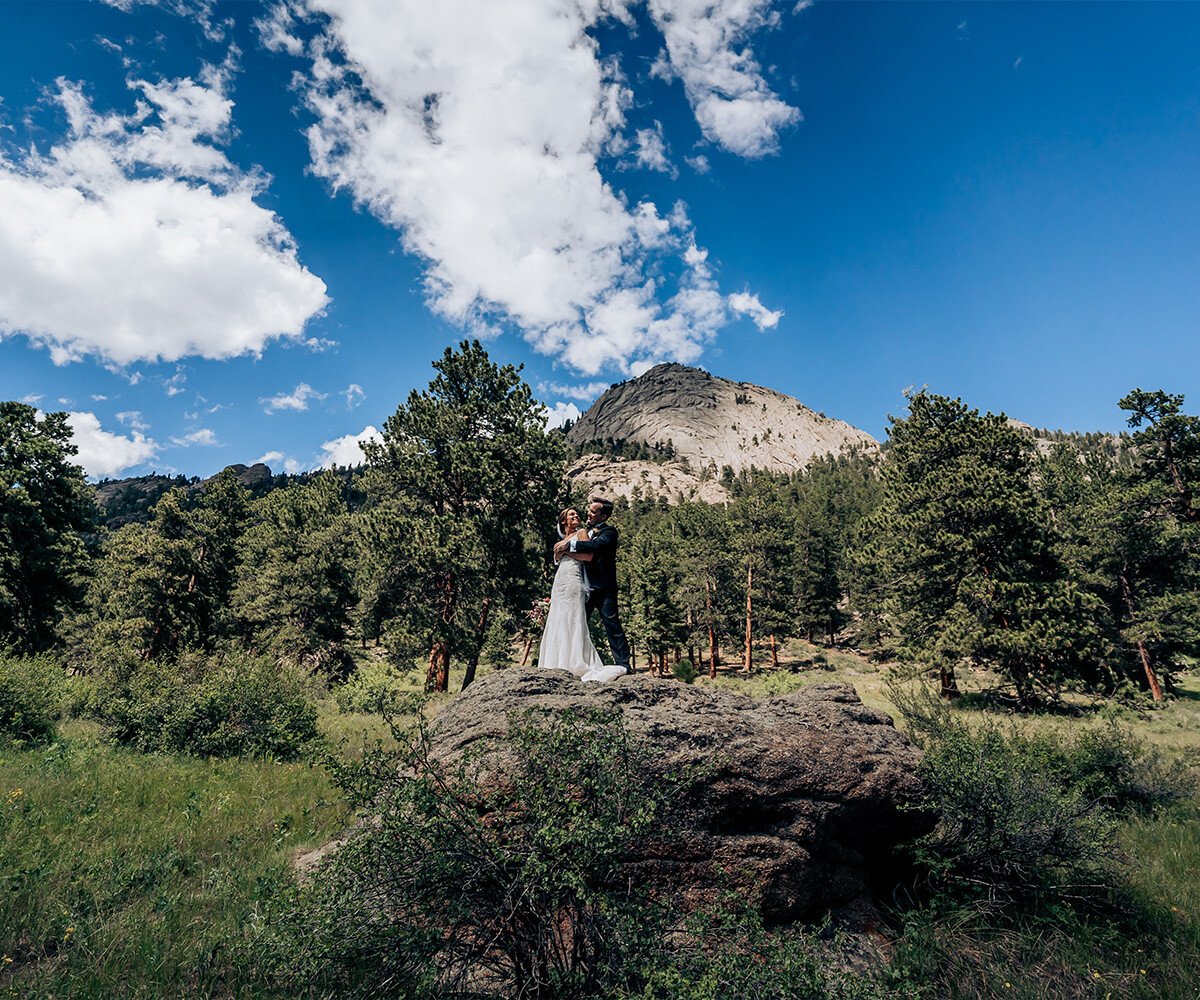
x=460, y=487
x=166, y=586
x=45, y=504
x=963, y=553
x=759, y=543
x=295, y=587
x=704, y=589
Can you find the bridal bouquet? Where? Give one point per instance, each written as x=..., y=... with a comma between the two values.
x=537, y=614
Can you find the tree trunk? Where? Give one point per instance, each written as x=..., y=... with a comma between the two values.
x=480, y=631
x=1143, y=652
x=746, y=663
x=662, y=664
x=437, y=678
x=774, y=653
x=528, y=647
x=949, y=689
x=712, y=635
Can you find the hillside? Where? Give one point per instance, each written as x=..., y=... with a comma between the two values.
x=711, y=422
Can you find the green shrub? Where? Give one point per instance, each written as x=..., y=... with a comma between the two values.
x=208, y=707
x=30, y=694
x=376, y=686
x=1023, y=812
x=510, y=881
x=726, y=954
x=685, y=671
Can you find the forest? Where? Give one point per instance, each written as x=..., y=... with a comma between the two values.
x=1012, y=576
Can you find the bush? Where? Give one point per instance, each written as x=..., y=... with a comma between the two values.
x=1023, y=813
x=30, y=693
x=685, y=670
x=376, y=686
x=459, y=883
x=208, y=707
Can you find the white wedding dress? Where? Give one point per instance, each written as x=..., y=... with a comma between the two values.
x=566, y=642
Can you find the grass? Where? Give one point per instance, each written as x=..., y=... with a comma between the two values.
x=129, y=875
x=125, y=875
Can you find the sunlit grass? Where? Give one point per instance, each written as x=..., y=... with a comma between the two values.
x=124, y=874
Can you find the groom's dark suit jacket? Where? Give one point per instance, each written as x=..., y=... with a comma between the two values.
x=602, y=570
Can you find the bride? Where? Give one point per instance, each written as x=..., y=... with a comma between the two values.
x=566, y=642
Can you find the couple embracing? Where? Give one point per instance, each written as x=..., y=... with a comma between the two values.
x=586, y=580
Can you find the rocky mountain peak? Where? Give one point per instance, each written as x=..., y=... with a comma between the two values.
x=711, y=422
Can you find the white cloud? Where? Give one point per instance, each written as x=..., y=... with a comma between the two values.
x=32, y=399
x=354, y=395
x=133, y=420
x=102, y=453
x=587, y=391
x=201, y=11
x=98, y=398
x=174, y=385
x=135, y=238
x=707, y=48
x=749, y=305
x=698, y=163
x=476, y=131
x=651, y=150
x=297, y=399
x=560, y=413
x=202, y=436
x=345, y=450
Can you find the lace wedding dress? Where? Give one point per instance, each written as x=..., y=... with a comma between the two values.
x=566, y=642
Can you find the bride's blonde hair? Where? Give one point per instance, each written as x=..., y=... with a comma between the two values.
x=562, y=520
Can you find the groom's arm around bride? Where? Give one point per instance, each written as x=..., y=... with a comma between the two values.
x=602, y=575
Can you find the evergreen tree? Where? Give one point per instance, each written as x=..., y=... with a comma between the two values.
x=295, y=589
x=460, y=487
x=1131, y=541
x=759, y=543
x=649, y=560
x=963, y=554
x=167, y=585
x=45, y=504
x=704, y=586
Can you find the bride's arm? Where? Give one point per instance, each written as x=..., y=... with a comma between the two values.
x=581, y=536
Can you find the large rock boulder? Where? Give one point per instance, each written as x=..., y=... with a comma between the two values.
x=801, y=804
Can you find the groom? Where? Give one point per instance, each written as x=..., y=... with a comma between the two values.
x=601, y=574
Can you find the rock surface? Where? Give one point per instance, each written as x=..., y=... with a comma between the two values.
x=803, y=797
x=713, y=422
x=621, y=477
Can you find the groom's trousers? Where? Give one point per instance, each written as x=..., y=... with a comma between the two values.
x=606, y=601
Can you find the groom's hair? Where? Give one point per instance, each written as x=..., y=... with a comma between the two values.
x=606, y=507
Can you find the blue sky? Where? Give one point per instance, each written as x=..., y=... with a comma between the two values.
x=230, y=231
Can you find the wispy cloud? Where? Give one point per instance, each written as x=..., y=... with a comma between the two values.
x=749, y=305
x=442, y=127
x=587, y=391
x=297, y=399
x=202, y=436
